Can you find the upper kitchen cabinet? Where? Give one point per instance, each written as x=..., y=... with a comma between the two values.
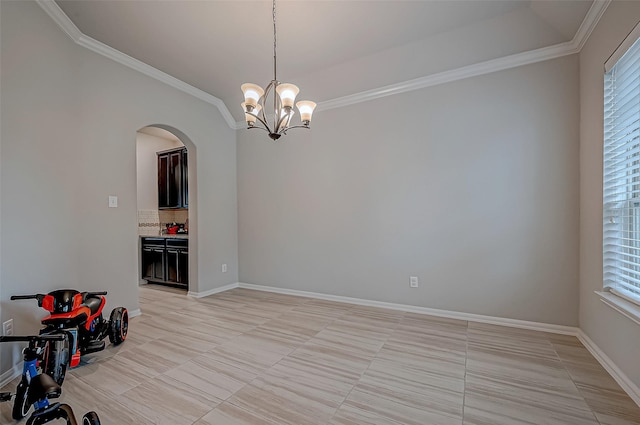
x=172, y=179
x=185, y=180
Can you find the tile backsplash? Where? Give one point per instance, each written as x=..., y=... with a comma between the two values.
x=150, y=222
x=173, y=216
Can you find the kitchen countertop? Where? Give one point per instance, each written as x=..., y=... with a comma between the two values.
x=167, y=236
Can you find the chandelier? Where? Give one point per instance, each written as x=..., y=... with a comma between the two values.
x=283, y=96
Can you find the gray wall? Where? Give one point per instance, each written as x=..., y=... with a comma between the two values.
x=68, y=140
x=471, y=186
x=616, y=335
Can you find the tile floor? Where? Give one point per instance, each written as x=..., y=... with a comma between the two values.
x=245, y=357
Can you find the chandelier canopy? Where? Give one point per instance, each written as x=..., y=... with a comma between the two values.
x=255, y=103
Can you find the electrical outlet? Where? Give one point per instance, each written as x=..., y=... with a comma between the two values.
x=113, y=201
x=413, y=281
x=7, y=328
x=224, y=268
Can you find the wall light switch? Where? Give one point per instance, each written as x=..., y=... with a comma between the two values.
x=113, y=201
x=413, y=281
x=224, y=268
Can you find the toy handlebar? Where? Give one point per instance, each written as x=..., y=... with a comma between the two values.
x=39, y=297
x=27, y=297
x=96, y=293
x=33, y=338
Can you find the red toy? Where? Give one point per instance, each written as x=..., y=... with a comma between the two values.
x=79, y=315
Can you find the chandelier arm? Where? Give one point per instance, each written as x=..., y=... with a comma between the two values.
x=298, y=126
x=280, y=121
x=259, y=128
x=263, y=122
x=264, y=119
x=270, y=87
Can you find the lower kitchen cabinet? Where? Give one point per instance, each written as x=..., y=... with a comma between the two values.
x=165, y=261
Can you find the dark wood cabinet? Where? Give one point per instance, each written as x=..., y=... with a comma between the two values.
x=153, y=260
x=185, y=180
x=173, y=179
x=165, y=261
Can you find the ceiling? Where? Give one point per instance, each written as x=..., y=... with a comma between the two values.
x=328, y=48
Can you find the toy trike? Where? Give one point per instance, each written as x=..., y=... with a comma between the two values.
x=78, y=315
x=36, y=388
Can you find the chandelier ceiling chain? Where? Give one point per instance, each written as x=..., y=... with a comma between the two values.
x=284, y=95
x=275, y=42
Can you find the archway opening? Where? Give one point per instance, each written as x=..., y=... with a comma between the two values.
x=167, y=223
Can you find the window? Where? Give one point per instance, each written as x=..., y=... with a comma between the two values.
x=621, y=171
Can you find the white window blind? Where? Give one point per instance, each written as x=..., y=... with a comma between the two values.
x=621, y=228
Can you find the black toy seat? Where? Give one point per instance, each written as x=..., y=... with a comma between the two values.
x=43, y=386
x=93, y=303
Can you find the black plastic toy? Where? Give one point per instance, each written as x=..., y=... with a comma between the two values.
x=36, y=388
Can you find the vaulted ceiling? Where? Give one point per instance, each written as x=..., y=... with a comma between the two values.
x=328, y=48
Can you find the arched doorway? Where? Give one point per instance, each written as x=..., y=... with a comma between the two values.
x=167, y=223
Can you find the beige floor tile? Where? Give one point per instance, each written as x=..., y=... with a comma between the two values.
x=167, y=402
x=443, y=362
x=217, y=379
x=396, y=410
x=485, y=395
x=84, y=397
x=322, y=357
x=537, y=372
x=298, y=326
x=250, y=359
x=144, y=329
x=145, y=362
x=282, y=405
x=228, y=414
x=358, y=344
x=611, y=406
x=511, y=340
x=298, y=378
x=327, y=309
x=267, y=340
x=350, y=415
x=113, y=377
x=415, y=388
x=245, y=357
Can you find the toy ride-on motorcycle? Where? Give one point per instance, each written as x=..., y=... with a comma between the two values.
x=36, y=388
x=79, y=315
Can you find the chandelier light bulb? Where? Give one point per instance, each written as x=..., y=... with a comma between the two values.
x=306, y=108
x=252, y=94
x=287, y=93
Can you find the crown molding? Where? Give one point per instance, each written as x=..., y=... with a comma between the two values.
x=481, y=68
x=597, y=9
x=574, y=46
x=63, y=21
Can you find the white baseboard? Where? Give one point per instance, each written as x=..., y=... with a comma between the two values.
x=623, y=380
x=213, y=291
x=134, y=313
x=9, y=375
x=514, y=323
